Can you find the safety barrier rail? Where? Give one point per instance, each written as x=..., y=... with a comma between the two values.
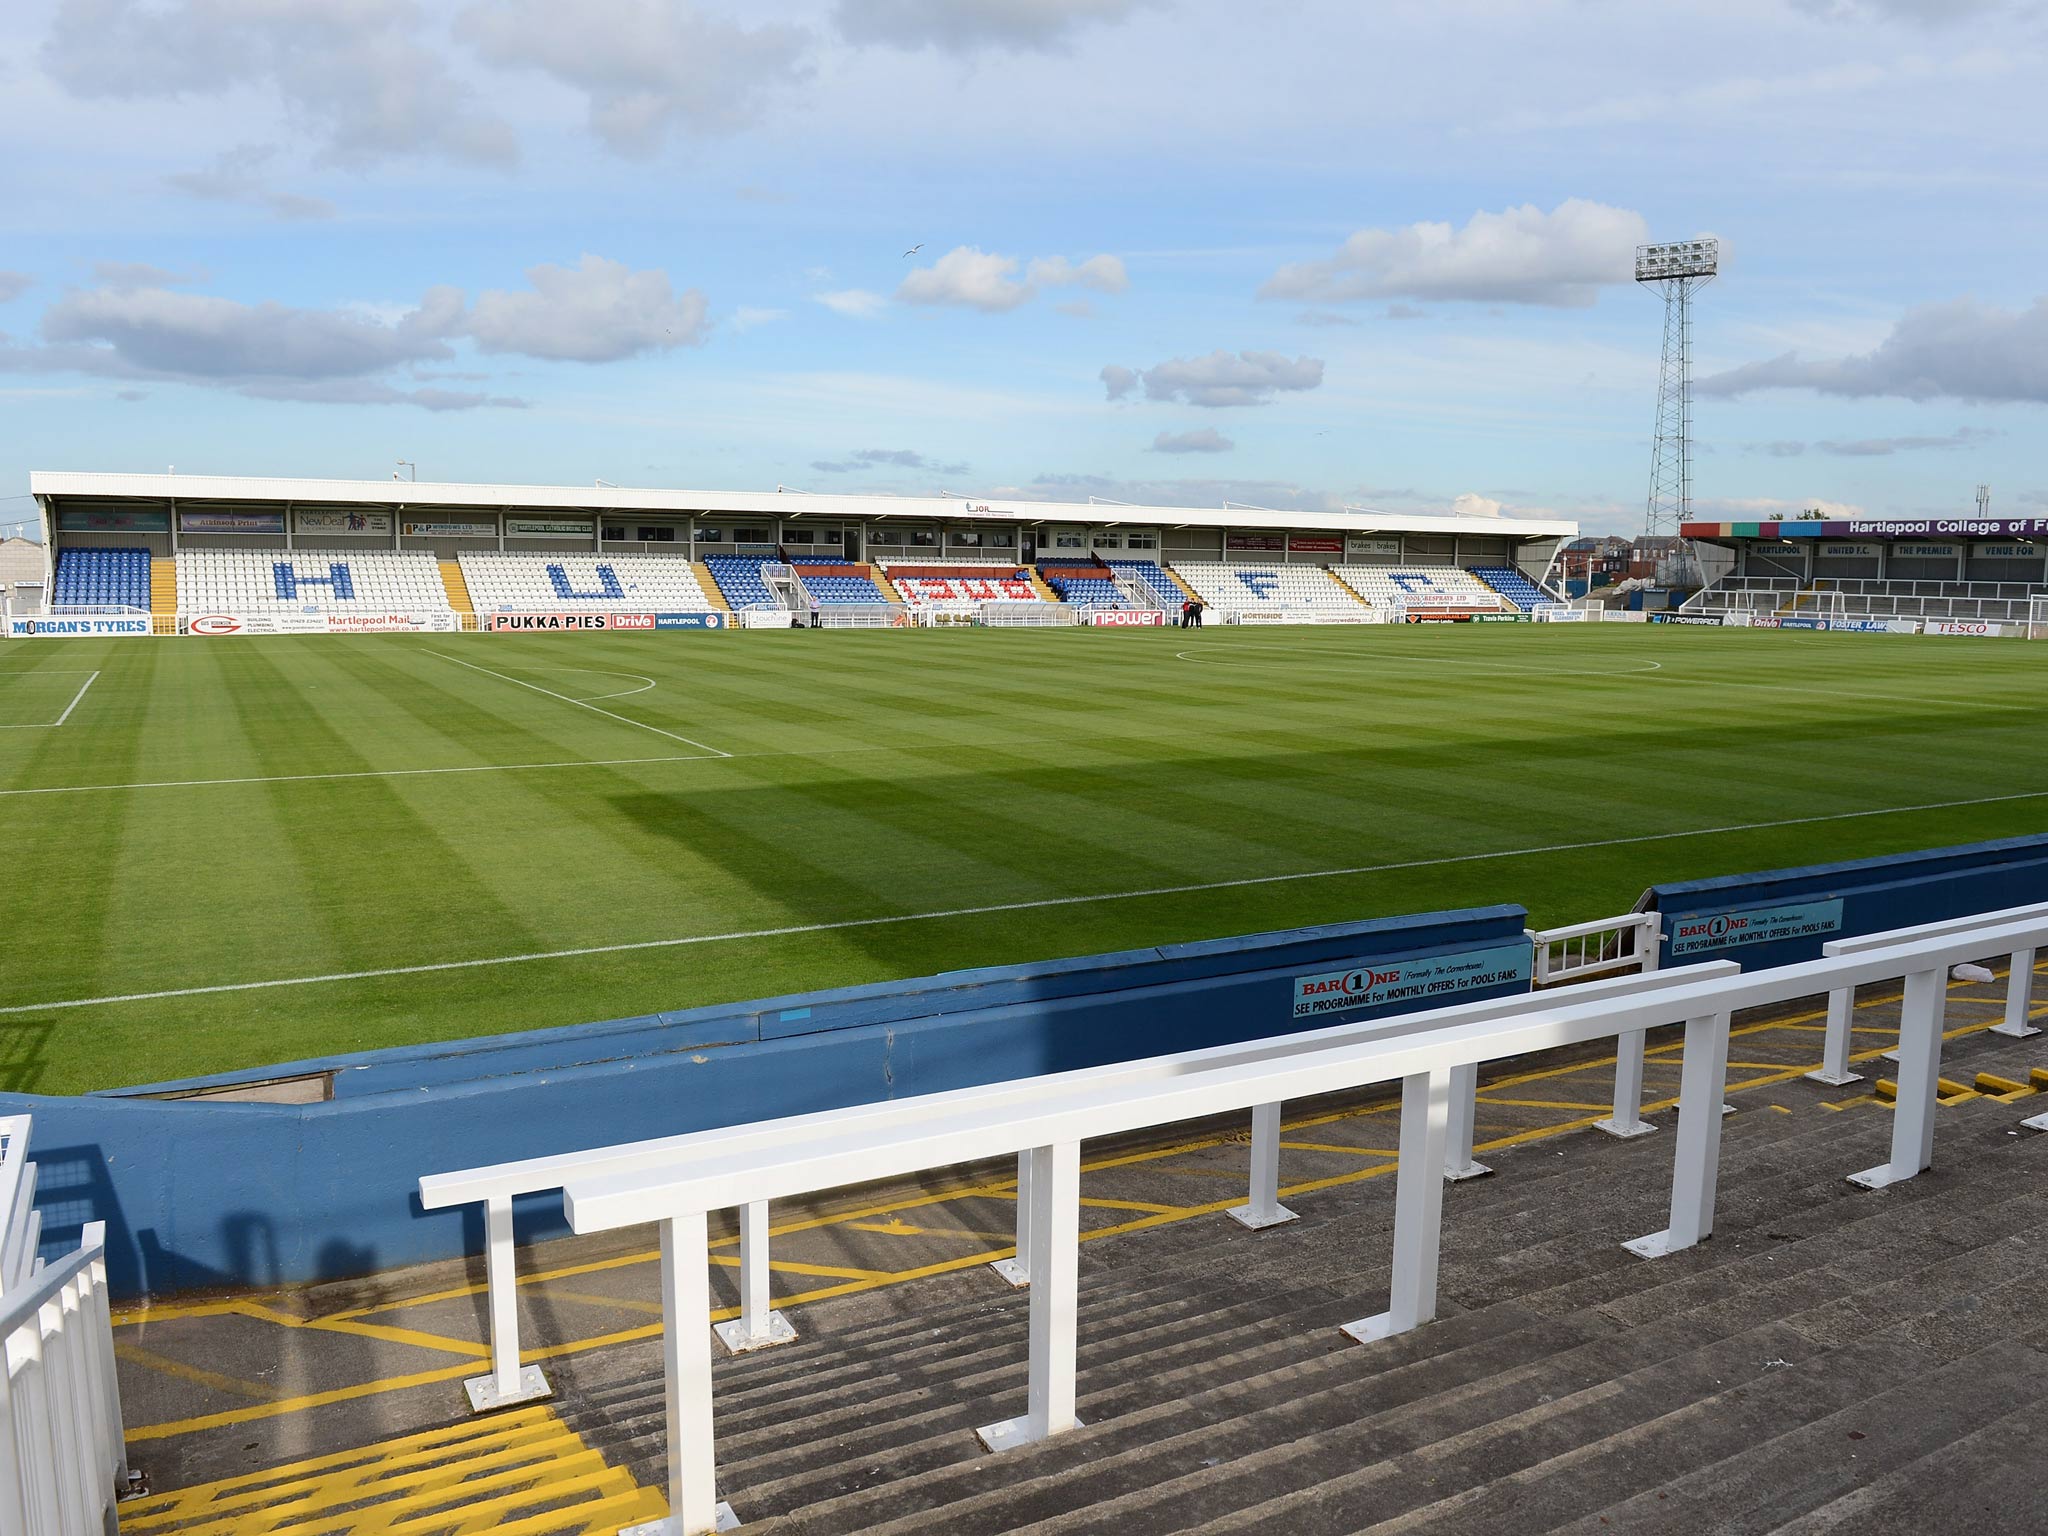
x=758, y=1325
x=1602, y=947
x=1051, y=1117
x=62, y=1457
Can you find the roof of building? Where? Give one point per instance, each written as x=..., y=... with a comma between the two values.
x=57, y=485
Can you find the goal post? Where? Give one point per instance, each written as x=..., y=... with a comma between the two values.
x=2037, y=617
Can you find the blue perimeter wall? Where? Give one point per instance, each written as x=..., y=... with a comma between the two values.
x=199, y=1193
x=1784, y=916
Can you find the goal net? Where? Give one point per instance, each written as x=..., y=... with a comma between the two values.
x=2037, y=617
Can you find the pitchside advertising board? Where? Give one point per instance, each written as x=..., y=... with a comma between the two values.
x=208, y=624
x=1427, y=982
x=1128, y=618
x=550, y=623
x=51, y=629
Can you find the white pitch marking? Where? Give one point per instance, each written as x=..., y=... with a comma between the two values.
x=579, y=703
x=1442, y=661
x=624, y=693
x=1005, y=906
x=51, y=725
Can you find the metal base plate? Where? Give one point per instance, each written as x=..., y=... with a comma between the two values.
x=2038, y=1123
x=1834, y=1079
x=1653, y=1246
x=484, y=1396
x=671, y=1526
x=1616, y=1128
x=1245, y=1216
x=1469, y=1171
x=737, y=1341
x=2025, y=1031
x=1006, y=1436
x=1367, y=1330
x=1880, y=1177
x=1013, y=1271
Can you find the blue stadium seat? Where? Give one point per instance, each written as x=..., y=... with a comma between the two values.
x=1512, y=585
x=101, y=578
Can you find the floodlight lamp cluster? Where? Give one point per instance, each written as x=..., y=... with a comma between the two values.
x=1681, y=258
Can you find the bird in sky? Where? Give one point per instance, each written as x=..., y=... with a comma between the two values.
x=915, y=249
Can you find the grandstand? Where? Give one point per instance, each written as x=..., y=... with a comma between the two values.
x=1086, y=581
x=1277, y=592
x=1390, y=590
x=537, y=582
x=261, y=581
x=1153, y=577
x=838, y=585
x=1514, y=586
x=960, y=590
x=740, y=580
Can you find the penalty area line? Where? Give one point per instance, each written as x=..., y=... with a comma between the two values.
x=993, y=908
x=580, y=703
x=51, y=725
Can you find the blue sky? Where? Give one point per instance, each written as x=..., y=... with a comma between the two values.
x=1172, y=250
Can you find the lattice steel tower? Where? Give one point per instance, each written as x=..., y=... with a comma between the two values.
x=1676, y=270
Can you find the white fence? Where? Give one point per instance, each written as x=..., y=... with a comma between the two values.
x=62, y=1460
x=679, y=1181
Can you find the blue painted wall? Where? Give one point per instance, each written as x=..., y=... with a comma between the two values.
x=1831, y=901
x=198, y=1193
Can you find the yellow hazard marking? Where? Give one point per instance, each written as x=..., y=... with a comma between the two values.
x=1331, y=1146
x=198, y=1376
x=518, y=1474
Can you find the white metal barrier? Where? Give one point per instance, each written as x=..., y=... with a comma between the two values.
x=1602, y=947
x=62, y=1457
x=1047, y=1119
x=759, y=1326
x=2019, y=989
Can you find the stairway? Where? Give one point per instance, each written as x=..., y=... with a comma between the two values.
x=1186, y=590
x=1045, y=593
x=458, y=590
x=163, y=592
x=514, y=1474
x=1349, y=591
x=884, y=585
x=710, y=585
x=1828, y=1350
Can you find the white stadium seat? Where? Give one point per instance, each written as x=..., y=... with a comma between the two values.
x=272, y=581
x=533, y=583
x=1391, y=587
x=1276, y=591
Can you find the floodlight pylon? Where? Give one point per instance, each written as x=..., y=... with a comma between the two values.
x=1675, y=270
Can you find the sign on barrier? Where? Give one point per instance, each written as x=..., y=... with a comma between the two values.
x=1400, y=981
x=1713, y=620
x=52, y=628
x=1128, y=618
x=1694, y=932
x=1964, y=627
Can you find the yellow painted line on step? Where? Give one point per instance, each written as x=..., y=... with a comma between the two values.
x=1487, y=1098
x=1331, y=1146
x=905, y=1229
x=1150, y=1207
x=796, y=1267
x=599, y=1299
x=197, y=1376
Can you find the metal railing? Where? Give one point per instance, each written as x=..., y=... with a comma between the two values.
x=679, y=1181
x=1603, y=947
x=63, y=1462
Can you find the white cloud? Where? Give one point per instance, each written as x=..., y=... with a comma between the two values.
x=1220, y=379
x=236, y=176
x=854, y=303
x=1202, y=440
x=746, y=317
x=1960, y=350
x=646, y=67
x=1471, y=504
x=886, y=458
x=967, y=26
x=1518, y=256
x=13, y=285
x=1765, y=508
x=140, y=274
x=358, y=71
x=972, y=278
x=1927, y=12
x=595, y=312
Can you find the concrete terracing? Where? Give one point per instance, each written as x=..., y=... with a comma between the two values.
x=1832, y=1360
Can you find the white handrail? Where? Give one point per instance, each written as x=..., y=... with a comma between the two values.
x=1052, y=1127
x=63, y=1461
x=1581, y=949
x=497, y=1186
x=2019, y=990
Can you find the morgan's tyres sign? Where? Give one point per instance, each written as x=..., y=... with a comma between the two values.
x=24, y=629
x=1424, y=983
x=1128, y=618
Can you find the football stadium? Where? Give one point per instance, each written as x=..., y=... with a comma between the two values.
x=565, y=1009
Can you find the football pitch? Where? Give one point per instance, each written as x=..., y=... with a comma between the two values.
x=227, y=853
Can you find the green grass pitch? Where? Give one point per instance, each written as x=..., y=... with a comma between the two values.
x=212, y=814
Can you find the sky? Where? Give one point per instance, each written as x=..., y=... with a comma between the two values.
x=1373, y=253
